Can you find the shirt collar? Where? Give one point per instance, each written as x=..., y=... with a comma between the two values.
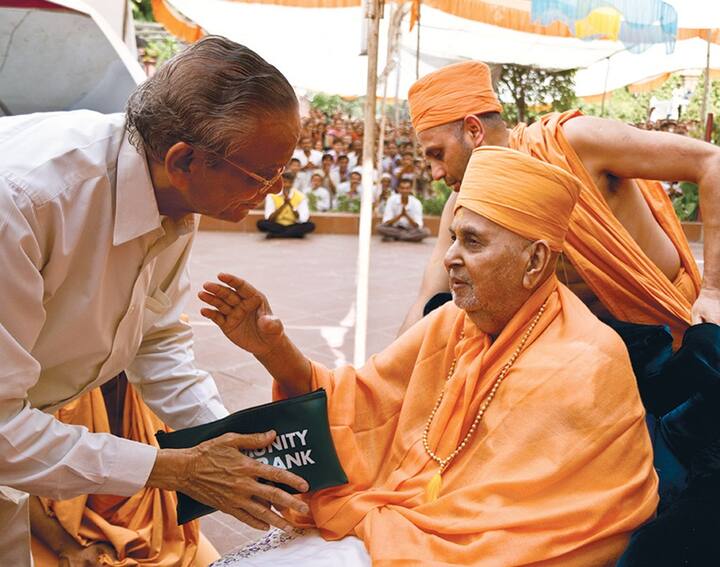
x=136, y=209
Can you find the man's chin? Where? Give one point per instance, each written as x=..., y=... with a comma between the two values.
x=463, y=300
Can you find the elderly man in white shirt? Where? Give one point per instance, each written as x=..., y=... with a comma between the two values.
x=96, y=226
x=403, y=216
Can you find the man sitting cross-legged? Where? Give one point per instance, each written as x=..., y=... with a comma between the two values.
x=403, y=216
x=503, y=429
x=286, y=214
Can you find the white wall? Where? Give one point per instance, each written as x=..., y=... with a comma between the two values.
x=119, y=15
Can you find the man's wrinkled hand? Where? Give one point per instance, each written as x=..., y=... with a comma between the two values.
x=216, y=473
x=224, y=478
x=707, y=307
x=242, y=313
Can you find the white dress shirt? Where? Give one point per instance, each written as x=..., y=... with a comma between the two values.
x=394, y=207
x=323, y=200
x=334, y=176
x=315, y=157
x=352, y=160
x=340, y=177
x=94, y=281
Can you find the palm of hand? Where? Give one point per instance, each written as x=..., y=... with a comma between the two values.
x=243, y=315
x=243, y=326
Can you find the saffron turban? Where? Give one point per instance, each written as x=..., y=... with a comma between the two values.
x=451, y=93
x=520, y=193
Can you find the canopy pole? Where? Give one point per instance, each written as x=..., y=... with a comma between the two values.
x=373, y=14
x=383, y=126
x=607, y=74
x=392, y=60
x=417, y=44
x=397, y=87
x=706, y=84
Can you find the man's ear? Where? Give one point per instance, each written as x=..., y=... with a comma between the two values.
x=473, y=126
x=537, y=264
x=180, y=159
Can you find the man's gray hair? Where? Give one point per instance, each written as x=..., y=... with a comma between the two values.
x=212, y=96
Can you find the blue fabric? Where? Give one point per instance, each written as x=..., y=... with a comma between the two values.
x=683, y=391
x=436, y=301
x=644, y=22
x=673, y=475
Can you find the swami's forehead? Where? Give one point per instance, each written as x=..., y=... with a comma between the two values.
x=468, y=222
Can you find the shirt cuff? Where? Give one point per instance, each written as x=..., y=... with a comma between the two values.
x=212, y=411
x=131, y=465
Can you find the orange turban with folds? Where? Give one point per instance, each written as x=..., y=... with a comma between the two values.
x=451, y=93
x=520, y=193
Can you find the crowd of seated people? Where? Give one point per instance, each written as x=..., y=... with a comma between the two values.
x=327, y=165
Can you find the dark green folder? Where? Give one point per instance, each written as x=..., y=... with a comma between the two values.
x=303, y=444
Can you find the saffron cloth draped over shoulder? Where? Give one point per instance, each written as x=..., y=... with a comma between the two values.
x=559, y=470
x=607, y=258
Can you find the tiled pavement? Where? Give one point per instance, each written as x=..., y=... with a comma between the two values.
x=311, y=286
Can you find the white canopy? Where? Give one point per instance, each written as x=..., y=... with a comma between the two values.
x=627, y=68
x=318, y=49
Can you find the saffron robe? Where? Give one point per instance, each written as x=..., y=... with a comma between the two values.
x=558, y=472
x=142, y=528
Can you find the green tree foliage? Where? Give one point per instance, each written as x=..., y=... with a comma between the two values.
x=160, y=50
x=312, y=201
x=695, y=105
x=142, y=10
x=685, y=200
x=535, y=91
x=623, y=105
x=332, y=104
x=347, y=204
x=434, y=203
x=632, y=107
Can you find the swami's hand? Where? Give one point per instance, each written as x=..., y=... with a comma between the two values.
x=216, y=473
x=242, y=313
x=707, y=307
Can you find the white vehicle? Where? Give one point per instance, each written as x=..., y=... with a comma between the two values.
x=62, y=55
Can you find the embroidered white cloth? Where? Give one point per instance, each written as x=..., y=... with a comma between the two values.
x=300, y=548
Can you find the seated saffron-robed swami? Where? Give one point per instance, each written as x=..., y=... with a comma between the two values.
x=503, y=429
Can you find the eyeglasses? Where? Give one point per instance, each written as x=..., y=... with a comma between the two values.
x=265, y=184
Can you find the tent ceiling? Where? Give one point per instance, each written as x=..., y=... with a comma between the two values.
x=318, y=48
x=325, y=44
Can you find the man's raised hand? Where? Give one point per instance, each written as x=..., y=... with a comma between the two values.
x=242, y=313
